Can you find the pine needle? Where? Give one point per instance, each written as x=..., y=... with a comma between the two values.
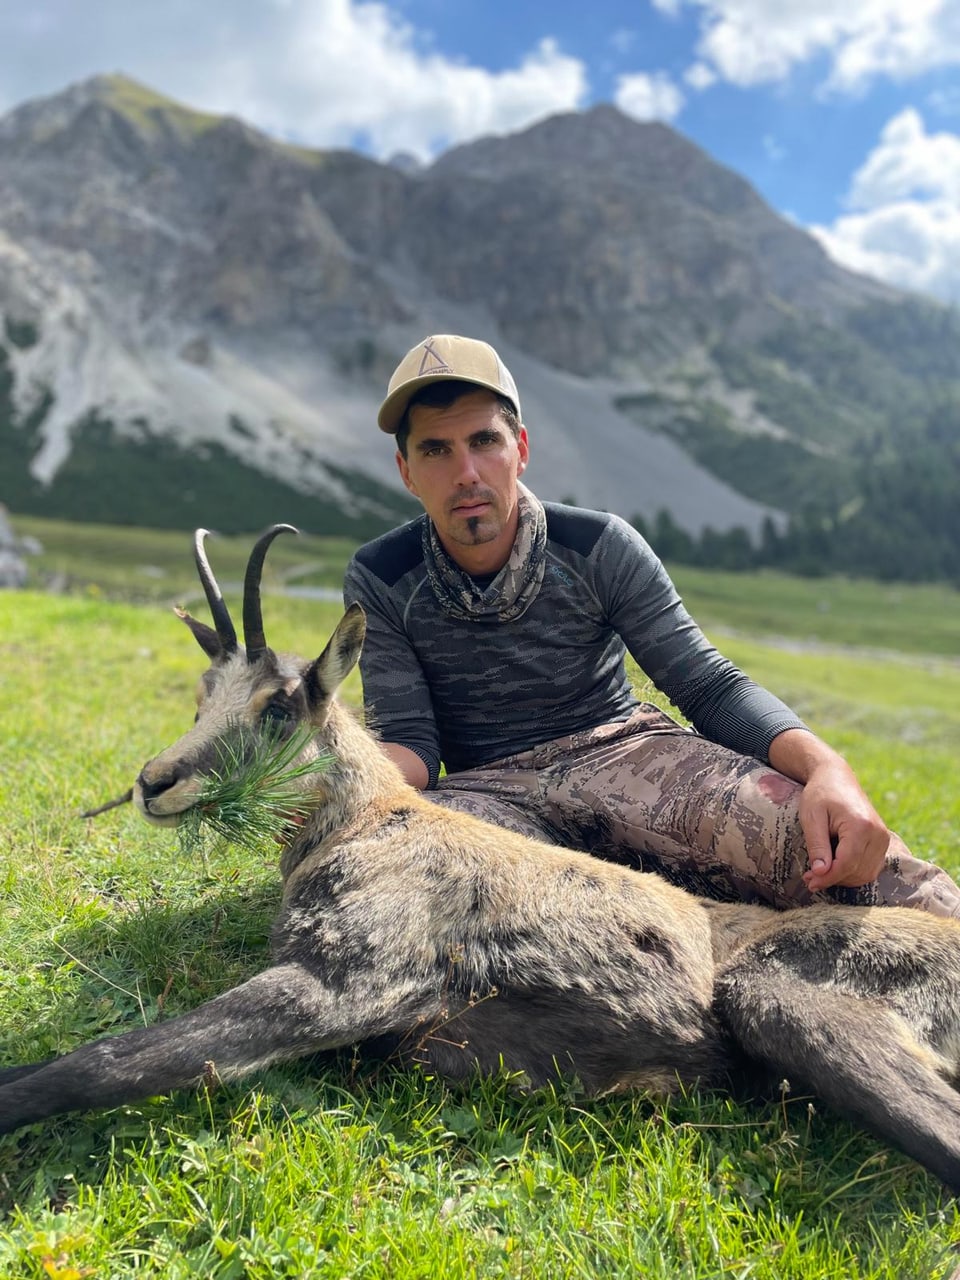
x=254, y=793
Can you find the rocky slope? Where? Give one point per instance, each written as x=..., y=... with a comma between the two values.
x=199, y=321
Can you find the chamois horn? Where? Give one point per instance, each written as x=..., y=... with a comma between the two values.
x=221, y=616
x=253, y=636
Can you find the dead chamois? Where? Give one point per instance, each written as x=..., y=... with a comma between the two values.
x=469, y=947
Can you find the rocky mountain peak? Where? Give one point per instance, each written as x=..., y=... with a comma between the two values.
x=137, y=104
x=112, y=123
x=179, y=276
x=603, y=143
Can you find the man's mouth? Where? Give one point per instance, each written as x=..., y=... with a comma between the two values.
x=471, y=506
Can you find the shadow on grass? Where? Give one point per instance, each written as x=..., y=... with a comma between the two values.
x=122, y=963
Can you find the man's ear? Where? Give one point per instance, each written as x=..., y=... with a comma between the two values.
x=404, y=470
x=523, y=449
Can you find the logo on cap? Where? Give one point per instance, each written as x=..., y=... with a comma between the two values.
x=432, y=362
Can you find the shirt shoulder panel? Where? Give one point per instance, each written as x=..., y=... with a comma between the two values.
x=575, y=528
x=392, y=555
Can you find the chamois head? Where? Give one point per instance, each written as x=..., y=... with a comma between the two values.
x=248, y=693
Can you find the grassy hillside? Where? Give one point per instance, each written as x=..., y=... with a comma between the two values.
x=324, y=1169
x=148, y=564
x=115, y=562
x=137, y=477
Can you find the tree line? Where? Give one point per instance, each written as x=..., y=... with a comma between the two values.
x=901, y=523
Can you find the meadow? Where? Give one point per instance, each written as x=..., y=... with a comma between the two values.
x=330, y=1168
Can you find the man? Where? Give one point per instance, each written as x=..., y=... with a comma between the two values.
x=497, y=630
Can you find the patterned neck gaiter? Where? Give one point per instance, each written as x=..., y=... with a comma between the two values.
x=514, y=588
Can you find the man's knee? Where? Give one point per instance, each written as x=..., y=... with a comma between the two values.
x=906, y=881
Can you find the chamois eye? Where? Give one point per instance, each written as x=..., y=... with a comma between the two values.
x=274, y=715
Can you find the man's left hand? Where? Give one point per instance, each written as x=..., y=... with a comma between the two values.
x=846, y=837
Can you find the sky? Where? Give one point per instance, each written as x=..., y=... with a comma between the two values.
x=843, y=114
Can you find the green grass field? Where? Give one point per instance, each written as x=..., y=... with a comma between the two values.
x=324, y=1168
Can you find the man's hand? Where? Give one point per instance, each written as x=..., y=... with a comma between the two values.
x=846, y=837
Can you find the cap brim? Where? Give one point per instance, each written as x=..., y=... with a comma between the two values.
x=395, y=405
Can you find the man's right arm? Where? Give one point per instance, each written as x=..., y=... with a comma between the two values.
x=409, y=763
x=396, y=696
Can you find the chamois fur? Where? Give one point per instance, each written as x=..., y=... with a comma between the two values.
x=468, y=947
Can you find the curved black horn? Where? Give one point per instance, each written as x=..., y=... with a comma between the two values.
x=253, y=636
x=221, y=617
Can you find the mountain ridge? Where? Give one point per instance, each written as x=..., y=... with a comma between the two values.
x=195, y=285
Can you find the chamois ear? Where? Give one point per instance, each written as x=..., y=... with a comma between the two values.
x=325, y=676
x=205, y=636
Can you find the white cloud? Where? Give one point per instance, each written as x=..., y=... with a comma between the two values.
x=699, y=76
x=908, y=244
x=750, y=42
x=649, y=97
x=350, y=68
x=908, y=161
x=900, y=41
x=904, y=224
x=316, y=71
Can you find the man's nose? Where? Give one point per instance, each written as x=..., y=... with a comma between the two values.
x=466, y=467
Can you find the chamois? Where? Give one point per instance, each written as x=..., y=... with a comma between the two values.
x=469, y=948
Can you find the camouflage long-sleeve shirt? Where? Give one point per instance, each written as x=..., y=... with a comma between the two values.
x=469, y=692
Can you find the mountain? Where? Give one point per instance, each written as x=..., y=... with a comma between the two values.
x=198, y=321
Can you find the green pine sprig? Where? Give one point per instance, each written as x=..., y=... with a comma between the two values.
x=255, y=791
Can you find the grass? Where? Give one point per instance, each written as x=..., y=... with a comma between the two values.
x=330, y=1168
x=144, y=108
x=256, y=790
x=124, y=563
x=821, y=612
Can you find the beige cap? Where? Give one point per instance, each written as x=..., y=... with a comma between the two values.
x=444, y=356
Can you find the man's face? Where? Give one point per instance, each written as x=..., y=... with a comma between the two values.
x=462, y=463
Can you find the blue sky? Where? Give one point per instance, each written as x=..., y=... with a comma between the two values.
x=844, y=114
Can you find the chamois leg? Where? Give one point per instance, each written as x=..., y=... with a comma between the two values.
x=9, y=1074
x=856, y=1053
x=282, y=1013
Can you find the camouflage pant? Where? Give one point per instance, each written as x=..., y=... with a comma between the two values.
x=654, y=795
